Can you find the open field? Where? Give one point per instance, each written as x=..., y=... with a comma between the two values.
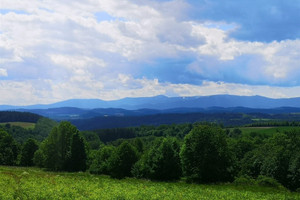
x=32, y=183
x=26, y=125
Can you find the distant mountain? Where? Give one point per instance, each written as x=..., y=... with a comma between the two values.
x=163, y=103
x=71, y=113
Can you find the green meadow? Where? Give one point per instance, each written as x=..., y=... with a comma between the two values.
x=26, y=125
x=33, y=183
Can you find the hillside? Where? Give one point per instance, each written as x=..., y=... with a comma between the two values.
x=12, y=116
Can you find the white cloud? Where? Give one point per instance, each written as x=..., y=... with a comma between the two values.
x=65, y=52
x=76, y=62
x=3, y=72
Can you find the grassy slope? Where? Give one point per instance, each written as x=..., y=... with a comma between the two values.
x=32, y=183
x=26, y=125
x=267, y=130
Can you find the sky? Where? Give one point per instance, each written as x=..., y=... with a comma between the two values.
x=53, y=50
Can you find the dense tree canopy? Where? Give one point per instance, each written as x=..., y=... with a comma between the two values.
x=57, y=149
x=78, y=157
x=161, y=162
x=200, y=152
x=28, y=150
x=122, y=160
x=9, y=149
x=205, y=155
x=100, y=163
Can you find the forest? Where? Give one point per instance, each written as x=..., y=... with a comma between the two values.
x=204, y=153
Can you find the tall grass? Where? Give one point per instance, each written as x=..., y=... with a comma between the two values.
x=32, y=183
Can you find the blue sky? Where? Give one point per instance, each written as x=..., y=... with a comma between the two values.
x=111, y=49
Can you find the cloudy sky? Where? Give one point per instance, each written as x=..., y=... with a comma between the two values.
x=52, y=50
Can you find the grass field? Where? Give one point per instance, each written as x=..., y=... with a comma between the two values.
x=26, y=125
x=32, y=183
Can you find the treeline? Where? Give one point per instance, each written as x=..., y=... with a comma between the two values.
x=18, y=145
x=275, y=123
x=199, y=153
x=173, y=130
x=41, y=130
x=227, y=119
x=11, y=116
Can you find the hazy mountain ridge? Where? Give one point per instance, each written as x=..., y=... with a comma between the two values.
x=89, y=108
x=70, y=113
x=163, y=103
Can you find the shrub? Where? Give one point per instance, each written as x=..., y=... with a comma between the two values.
x=268, y=182
x=244, y=180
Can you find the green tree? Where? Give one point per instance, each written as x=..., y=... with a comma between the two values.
x=122, y=160
x=294, y=172
x=78, y=158
x=28, y=150
x=100, y=164
x=205, y=155
x=92, y=139
x=240, y=146
x=139, y=145
x=9, y=149
x=277, y=158
x=56, y=148
x=39, y=158
x=162, y=162
x=43, y=128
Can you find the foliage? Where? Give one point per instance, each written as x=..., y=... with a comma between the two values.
x=122, y=161
x=162, y=162
x=39, y=156
x=12, y=116
x=294, y=172
x=9, y=149
x=240, y=146
x=244, y=180
x=277, y=158
x=57, y=149
x=92, y=139
x=28, y=150
x=138, y=144
x=78, y=157
x=43, y=127
x=100, y=164
x=40, y=131
x=268, y=182
x=205, y=155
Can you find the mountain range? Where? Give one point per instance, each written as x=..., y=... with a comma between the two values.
x=163, y=103
x=229, y=110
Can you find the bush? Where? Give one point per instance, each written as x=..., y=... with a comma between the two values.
x=268, y=182
x=244, y=180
